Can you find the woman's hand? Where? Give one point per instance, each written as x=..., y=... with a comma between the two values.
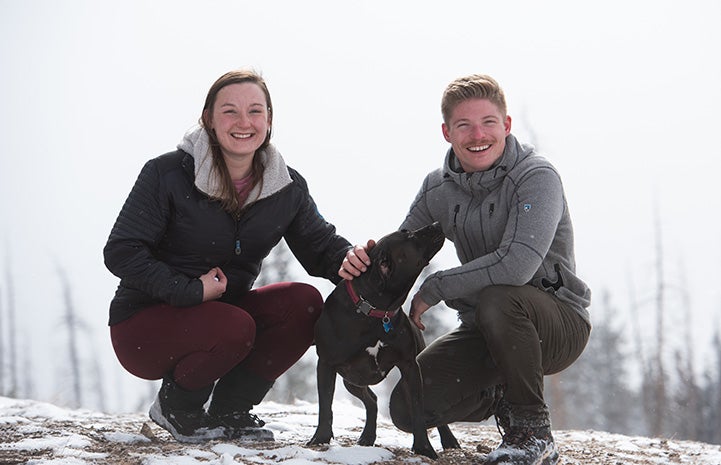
x=214, y=283
x=356, y=261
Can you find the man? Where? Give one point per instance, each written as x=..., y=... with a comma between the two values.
x=523, y=310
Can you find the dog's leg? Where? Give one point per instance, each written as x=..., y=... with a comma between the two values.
x=412, y=384
x=370, y=401
x=448, y=440
x=326, y=388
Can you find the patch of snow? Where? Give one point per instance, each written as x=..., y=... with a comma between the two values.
x=126, y=438
x=37, y=433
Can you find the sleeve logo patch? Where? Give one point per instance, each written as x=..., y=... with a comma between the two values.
x=526, y=207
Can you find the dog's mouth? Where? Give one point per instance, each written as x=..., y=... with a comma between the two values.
x=433, y=236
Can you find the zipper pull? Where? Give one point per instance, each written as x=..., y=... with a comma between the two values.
x=237, y=246
x=455, y=214
x=491, y=208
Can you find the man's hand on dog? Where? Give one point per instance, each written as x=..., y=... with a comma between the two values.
x=418, y=308
x=356, y=261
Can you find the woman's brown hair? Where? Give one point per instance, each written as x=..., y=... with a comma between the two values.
x=228, y=196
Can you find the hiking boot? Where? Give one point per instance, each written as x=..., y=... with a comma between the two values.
x=503, y=416
x=234, y=396
x=525, y=446
x=242, y=425
x=527, y=438
x=181, y=413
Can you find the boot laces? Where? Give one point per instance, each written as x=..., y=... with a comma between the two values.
x=519, y=436
x=242, y=420
x=254, y=419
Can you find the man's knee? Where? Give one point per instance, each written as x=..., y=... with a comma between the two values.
x=496, y=306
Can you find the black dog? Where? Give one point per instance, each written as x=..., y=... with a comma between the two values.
x=363, y=333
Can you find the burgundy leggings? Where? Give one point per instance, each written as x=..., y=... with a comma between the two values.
x=267, y=331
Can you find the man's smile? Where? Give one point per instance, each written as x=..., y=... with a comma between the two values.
x=479, y=148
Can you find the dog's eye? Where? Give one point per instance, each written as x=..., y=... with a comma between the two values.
x=385, y=266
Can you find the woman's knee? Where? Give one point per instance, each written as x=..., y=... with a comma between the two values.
x=287, y=301
x=234, y=328
x=309, y=301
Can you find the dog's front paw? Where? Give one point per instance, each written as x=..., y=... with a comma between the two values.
x=426, y=450
x=366, y=439
x=320, y=438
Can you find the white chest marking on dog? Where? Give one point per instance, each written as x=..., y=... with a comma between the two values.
x=373, y=351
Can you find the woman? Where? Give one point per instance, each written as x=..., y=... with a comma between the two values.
x=187, y=247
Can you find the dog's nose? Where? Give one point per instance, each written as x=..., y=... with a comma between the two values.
x=434, y=228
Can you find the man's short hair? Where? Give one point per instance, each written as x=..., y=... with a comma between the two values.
x=469, y=87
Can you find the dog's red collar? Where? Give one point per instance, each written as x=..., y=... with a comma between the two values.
x=365, y=307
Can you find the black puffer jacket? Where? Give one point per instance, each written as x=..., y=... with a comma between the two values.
x=169, y=233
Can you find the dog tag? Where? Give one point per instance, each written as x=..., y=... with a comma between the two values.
x=387, y=326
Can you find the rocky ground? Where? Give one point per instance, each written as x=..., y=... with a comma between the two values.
x=42, y=434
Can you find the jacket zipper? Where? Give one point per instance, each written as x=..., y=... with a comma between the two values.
x=237, y=234
x=461, y=243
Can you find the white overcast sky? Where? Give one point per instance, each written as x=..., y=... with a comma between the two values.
x=623, y=97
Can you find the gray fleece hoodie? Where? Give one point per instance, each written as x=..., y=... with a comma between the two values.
x=509, y=224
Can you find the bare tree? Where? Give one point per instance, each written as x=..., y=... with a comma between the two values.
x=28, y=382
x=717, y=387
x=658, y=376
x=688, y=409
x=98, y=384
x=12, y=361
x=73, y=324
x=712, y=395
x=2, y=350
x=644, y=361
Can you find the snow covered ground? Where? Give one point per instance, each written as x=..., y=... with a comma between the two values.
x=37, y=433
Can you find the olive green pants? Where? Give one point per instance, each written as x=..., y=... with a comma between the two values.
x=515, y=336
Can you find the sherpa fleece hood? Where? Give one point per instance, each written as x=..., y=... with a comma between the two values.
x=197, y=144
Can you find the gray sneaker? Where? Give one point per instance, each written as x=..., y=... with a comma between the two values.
x=185, y=426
